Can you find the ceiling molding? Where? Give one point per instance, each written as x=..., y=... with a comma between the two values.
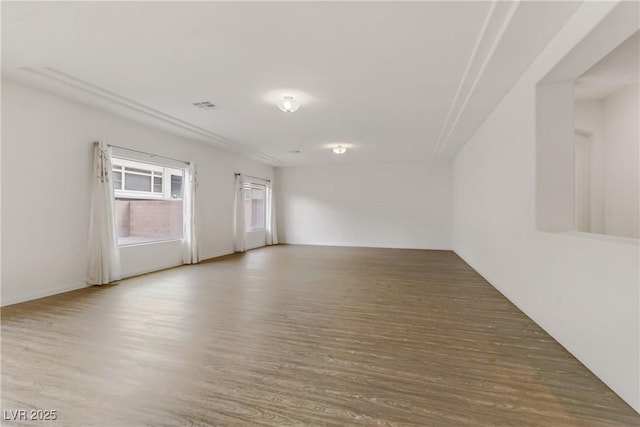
x=493, y=28
x=78, y=84
x=472, y=55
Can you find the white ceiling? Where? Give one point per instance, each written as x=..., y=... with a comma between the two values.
x=392, y=80
x=618, y=69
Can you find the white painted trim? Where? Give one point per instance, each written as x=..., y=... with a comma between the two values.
x=472, y=57
x=152, y=270
x=80, y=285
x=513, y=6
x=47, y=292
x=602, y=237
x=76, y=83
x=213, y=255
x=490, y=21
x=344, y=245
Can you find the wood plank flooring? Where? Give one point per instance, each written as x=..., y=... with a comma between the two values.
x=297, y=335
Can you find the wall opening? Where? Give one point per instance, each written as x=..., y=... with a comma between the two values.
x=588, y=142
x=607, y=161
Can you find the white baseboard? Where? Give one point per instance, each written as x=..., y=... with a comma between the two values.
x=41, y=293
x=46, y=292
x=217, y=254
x=135, y=273
x=368, y=246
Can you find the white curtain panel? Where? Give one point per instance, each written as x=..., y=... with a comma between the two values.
x=272, y=233
x=104, y=255
x=189, y=198
x=239, y=226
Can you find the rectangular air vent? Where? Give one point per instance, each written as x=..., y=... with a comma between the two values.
x=205, y=105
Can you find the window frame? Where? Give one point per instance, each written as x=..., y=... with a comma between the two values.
x=249, y=185
x=155, y=170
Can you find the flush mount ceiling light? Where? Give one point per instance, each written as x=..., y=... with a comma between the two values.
x=288, y=104
x=339, y=149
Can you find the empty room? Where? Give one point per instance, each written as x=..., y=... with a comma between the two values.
x=320, y=213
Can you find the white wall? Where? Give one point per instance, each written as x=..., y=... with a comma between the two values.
x=395, y=204
x=582, y=289
x=614, y=145
x=46, y=160
x=256, y=239
x=622, y=162
x=589, y=119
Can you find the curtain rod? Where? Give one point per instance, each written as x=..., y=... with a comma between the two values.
x=149, y=154
x=254, y=177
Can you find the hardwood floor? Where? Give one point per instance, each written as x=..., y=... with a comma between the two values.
x=297, y=335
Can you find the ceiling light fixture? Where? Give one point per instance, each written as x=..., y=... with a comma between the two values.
x=288, y=104
x=339, y=149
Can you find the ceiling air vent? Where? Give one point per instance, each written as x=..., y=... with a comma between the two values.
x=205, y=105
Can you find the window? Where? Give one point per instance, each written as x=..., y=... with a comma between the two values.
x=148, y=201
x=254, y=197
